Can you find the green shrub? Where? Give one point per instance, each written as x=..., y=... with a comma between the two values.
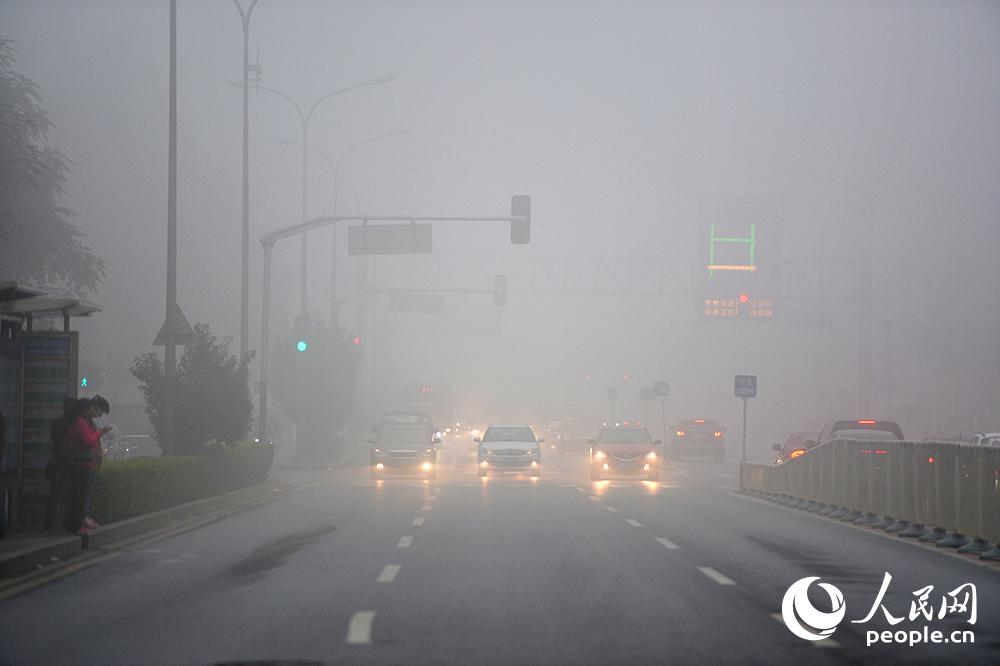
x=129, y=488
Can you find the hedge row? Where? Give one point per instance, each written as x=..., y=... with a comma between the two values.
x=129, y=488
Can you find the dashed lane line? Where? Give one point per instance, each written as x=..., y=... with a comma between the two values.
x=593, y=497
x=719, y=578
x=633, y=523
x=825, y=643
x=611, y=509
x=582, y=490
x=359, y=629
x=427, y=507
x=404, y=542
x=419, y=520
x=388, y=573
x=667, y=543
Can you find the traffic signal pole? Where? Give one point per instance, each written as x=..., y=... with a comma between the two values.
x=268, y=242
x=743, y=450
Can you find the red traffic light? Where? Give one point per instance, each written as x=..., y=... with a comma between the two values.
x=356, y=340
x=744, y=298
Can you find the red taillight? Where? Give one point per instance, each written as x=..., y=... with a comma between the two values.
x=867, y=422
x=699, y=420
x=881, y=452
x=930, y=459
x=680, y=433
x=717, y=433
x=796, y=453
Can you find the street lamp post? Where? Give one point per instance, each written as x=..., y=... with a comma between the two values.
x=304, y=118
x=245, y=248
x=334, y=165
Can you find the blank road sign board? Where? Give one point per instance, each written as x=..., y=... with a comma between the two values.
x=661, y=389
x=389, y=239
x=746, y=386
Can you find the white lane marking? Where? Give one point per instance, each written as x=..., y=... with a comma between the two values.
x=593, y=497
x=388, y=573
x=664, y=485
x=359, y=629
x=611, y=509
x=825, y=643
x=633, y=523
x=427, y=507
x=716, y=576
x=667, y=543
x=725, y=476
x=404, y=542
x=582, y=490
x=418, y=521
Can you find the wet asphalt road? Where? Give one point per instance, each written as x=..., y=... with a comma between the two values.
x=507, y=570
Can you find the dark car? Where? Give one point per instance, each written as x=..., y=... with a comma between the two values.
x=698, y=437
x=796, y=445
x=866, y=429
x=573, y=435
x=624, y=450
x=403, y=448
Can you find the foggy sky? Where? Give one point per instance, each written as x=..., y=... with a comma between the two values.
x=618, y=118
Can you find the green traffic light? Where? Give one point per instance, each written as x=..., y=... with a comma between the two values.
x=301, y=345
x=83, y=383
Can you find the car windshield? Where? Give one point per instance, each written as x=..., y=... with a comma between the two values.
x=405, y=419
x=509, y=434
x=403, y=435
x=623, y=436
x=865, y=434
x=700, y=424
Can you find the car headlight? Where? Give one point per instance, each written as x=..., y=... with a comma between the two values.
x=600, y=455
x=651, y=455
x=429, y=451
x=378, y=450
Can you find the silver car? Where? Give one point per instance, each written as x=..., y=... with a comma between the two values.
x=509, y=447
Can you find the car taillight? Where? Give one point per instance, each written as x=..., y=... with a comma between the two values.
x=881, y=452
x=717, y=433
x=796, y=453
x=680, y=433
x=699, y=420
x=866, y=422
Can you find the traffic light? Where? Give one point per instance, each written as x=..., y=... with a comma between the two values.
x=300, y=333
x=93, y=375
x=520, y=229
x=500, y=290
x=356, y=341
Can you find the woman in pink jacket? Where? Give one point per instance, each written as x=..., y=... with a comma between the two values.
x=86, y=447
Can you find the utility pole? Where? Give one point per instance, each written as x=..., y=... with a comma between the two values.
x=865, y=336
x=175, y=329
x=245, y=247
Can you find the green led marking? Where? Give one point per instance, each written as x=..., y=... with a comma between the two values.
x=751, y=240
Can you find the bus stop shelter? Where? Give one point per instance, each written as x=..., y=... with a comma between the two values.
x=39, y=369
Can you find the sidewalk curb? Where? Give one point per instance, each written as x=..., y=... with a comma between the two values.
x=157, y=520
x=31, y=560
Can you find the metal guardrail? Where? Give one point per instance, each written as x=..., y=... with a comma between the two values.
x=944, y=492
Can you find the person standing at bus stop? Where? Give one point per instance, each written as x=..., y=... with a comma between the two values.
x=86, y=441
